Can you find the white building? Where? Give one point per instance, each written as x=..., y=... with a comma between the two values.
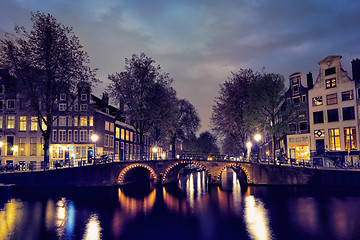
x=332, y=113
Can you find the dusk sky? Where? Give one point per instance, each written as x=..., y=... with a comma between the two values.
x=199, y=43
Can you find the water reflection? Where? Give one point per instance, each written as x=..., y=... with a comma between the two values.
x=9, y=217
x=132, y=206
x=93, y=229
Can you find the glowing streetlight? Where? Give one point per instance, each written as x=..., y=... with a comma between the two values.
x=248, y=144
x=257, y=137
x=94, y=138
x=1, y=144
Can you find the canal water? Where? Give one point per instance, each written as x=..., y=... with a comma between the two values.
x=187, y=210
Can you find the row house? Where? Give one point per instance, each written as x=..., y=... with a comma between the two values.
x=77, y=120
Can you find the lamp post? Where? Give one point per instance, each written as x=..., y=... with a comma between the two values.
x=248, y=145
x=257, y=138
x=1, y=145
x=154, y=149
x=94, y=138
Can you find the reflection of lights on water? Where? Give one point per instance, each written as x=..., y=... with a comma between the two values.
x=256, y=219
x=60, y=216
x=9, y=215
x=93, y=229
x=236, y=193
x=70, y=223
x=190, y=189
x=134, y=206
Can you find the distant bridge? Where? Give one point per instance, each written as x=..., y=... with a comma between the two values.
x=167, y=171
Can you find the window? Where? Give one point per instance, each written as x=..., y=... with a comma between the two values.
x=62, y=107
x=347, y=95
x=62, y=135
x=69, y=135
x=22, y=142
x=111, y=127
x=350, y=138
x=62, y=96
x=127, y=135
x=9, y=145
x=117, y=132
x=1, y=122
x=83, y=121
x=76, y=121
x=333, y=115
x=83, y=97
x=91, y=121
x=330, y=71
x=106, y=140
x=116, y=150
x=55, y=121
x=10, y=104
x=1, y=104
x=330, y=83
x=303, y=126
x=131, y=136
x=303, y=98
x=22, y=123
x=331, y=99
x=111, y=141
x=296, y=100
x=348, y=113
x=33, y=146
x=358, y=93
x=83, y=107
x=295, y=88
x=318, y=117
x=76, y=107
x=34, y=124
x=319, y=133
x=62, y=121
x=334, y=139
x=76, y=137
x=83, y=136
x=107, y=126
x=302, y=114
x=317, y=101
x=1, y=88
x=54, y=136
x=122, y=134
x=69, y=121
x=10, y=122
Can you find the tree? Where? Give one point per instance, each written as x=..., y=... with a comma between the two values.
x=48, y=61
x=230, y=112
x=185, y=125
x=270, y=110
x=206, y=144
x=145, y=93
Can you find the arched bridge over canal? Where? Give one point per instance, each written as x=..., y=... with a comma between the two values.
x=167, y=171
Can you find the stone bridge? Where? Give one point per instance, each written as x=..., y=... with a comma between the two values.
x=167, y=171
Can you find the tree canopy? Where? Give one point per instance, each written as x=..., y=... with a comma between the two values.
x=47, y=60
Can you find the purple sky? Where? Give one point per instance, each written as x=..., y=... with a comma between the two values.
x=199, y=43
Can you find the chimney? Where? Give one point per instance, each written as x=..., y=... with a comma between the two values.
x=310, y=82
x=356, y=69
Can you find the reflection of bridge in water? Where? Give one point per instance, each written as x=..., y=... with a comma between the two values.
x=167, y=171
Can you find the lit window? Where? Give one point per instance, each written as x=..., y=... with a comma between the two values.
x=33, y=146
x=350, y=138
x=91, y=121
x=317, y=101
x=83, y=121
x=334, y=139
x=319, y=133
x=330, y=83
x=10, y=123
x=331, y=99
x=43, y=124
x=34, y=124
x=22, y=126
x=347, y=95
x=122, y=134
x=76, y=121
x=117, y=132
x=127, y=135
x=1, y=122
x=107, y=126
x=111, y=127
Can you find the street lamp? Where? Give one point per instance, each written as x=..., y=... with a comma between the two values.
x=94, y=138
x=257, y=138
x=155, y=149
x=248, y=145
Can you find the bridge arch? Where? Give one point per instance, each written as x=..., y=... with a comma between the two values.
x=172, y=172
x=241, y=172
x=123, y=173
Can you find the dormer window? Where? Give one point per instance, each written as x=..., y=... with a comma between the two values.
x=83, y=97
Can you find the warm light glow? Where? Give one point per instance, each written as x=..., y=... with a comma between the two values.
x=257, y=137
x=154, y=149
x=93, y=229
x=15, y=148
x=64, y=148
x=94, y=137
x=1, y=144
x=248, y=144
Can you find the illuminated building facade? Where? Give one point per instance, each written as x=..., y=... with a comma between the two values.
x=333, y=118
x=74, y=123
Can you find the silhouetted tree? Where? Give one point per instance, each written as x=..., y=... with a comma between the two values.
x=143, y=90
x=206, y=143
x=48, y=60
x=230, y=112
x=186, y=123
